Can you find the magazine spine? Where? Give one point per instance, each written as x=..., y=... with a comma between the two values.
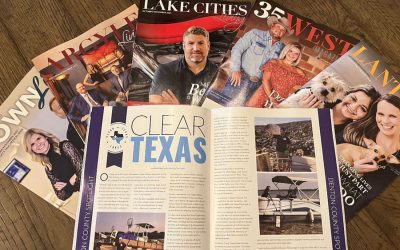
x=85, y=213
x=332, y=179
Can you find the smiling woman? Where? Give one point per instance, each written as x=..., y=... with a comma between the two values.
x=381, y=125
x=62, y=161
x=355, y=106
x=280, y=78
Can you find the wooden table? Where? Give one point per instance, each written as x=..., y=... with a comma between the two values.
x=29, y=28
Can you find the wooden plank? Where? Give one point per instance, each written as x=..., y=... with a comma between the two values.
x=89, y=13
x=15, y=228
x=13, y=67
x=38, y=26
x=364, y=233
x=48, y=221
x=380, y=26
x=385, y=212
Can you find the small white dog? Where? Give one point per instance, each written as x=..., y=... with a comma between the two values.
x=327, y=87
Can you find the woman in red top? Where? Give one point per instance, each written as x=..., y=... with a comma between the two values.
x=280, y=78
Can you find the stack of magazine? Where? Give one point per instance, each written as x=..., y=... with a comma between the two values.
x=286, y=129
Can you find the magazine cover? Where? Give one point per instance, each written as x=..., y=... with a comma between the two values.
x=366, y=120
x=95, y=69
x=180, y=45
x=33, y=152
x=185, y=177
x=275, y=52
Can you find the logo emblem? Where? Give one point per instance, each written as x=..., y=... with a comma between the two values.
x=116, y=137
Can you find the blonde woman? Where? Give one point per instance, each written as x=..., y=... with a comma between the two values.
x=94, y=74
x=61, y=160
x=280, y=78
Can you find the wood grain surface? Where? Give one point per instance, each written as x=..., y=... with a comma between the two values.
x=30, y=27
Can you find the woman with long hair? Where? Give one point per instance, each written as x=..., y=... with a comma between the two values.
x=94, y=74
x=281, y=78
x=364, y=179
x=382, y=125
x=61, y=160
x=354, y=106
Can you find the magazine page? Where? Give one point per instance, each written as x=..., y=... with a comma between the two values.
x=94, y=69
x=145, y=180
x=274, y=180
x=180, y=44
x=274, y=54
x=33, y=163
x=366, y=121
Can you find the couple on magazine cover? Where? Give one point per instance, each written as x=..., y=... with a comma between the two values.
x=86, y=99
x=376, y=163
x=121, y=77
x=367, y=131
x=382, y=127
x=361, y=113
x=263, y=69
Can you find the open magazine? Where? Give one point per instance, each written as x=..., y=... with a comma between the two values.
x=274, y=54
x=185, y=177
x=366, y=120
x=179, y=46
x=31, y=107
x=95, y=69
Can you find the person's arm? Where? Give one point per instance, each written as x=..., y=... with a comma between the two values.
x=309, y=101
x=74, y=113
x=239, y=48
x=129, y=81
x=62, y=190
x=102, y=97
x=155, y=99
x=236, y=56
x=87, y=83
x=129, y=77
x=76, y=159
x=167, y=97
x=161, y=90
x=266, y=82
x=113, y=80
x=365, y=165
x=300, y=72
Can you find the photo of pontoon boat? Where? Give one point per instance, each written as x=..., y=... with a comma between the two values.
x=289, y=203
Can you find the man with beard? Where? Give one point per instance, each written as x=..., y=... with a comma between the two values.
x=185, y=80
x=250, y=53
